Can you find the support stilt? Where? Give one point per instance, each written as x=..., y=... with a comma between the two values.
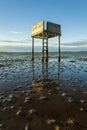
x=43, y=49
x=59, y=48
x=46, y=49
x=32, y=48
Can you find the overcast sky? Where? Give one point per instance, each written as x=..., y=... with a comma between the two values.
x=18, y=16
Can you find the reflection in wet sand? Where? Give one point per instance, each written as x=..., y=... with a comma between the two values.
x=56, y=100
x=32, y=70
x=45, y=70
x=46, y=83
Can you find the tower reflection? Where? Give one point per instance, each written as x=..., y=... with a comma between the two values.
x=59, y=73
x=44, y=83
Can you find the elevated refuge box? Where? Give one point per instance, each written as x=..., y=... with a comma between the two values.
x=52, y=30
x=39, y=31
x=38, y=28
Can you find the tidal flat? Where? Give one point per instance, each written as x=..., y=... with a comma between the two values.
x=38, y=96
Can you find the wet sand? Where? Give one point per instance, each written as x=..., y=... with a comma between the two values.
x=46, y=107
x=52, y=96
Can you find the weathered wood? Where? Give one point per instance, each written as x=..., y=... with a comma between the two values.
x=52, y=30
x=44, y=34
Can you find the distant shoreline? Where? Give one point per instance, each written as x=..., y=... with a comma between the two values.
x=41, y=52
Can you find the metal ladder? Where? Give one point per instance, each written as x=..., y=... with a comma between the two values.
x=44, y=49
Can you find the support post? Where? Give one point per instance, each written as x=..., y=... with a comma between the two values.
x=59, y=48
x=43, y=49
x=47, y=49
x=32, y=48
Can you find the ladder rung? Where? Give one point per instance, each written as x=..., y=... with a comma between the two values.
x=45, y=42
x=45, y=48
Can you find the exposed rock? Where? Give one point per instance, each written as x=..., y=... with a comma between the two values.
x=63, y=94
x=57, y=127
x=12, y=107
x=27, y=99
x=70, y=121
x=32, y=111
x=20, y=112
x=51, y=121
x=1, y=65
x=5, y=108
x=1, y=125
x=85, y=92
x=81, y=109
x=27, y=127
x=82, y=101
x=70, y=99
x=43, y=98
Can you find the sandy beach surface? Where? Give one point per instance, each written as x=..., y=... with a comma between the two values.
x=43, y=97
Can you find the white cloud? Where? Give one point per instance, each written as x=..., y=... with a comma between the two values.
x=69, y=46
x=75, y=44
x=16, y=32
x=18, y=42
x=15, y=41
x=26, y=43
